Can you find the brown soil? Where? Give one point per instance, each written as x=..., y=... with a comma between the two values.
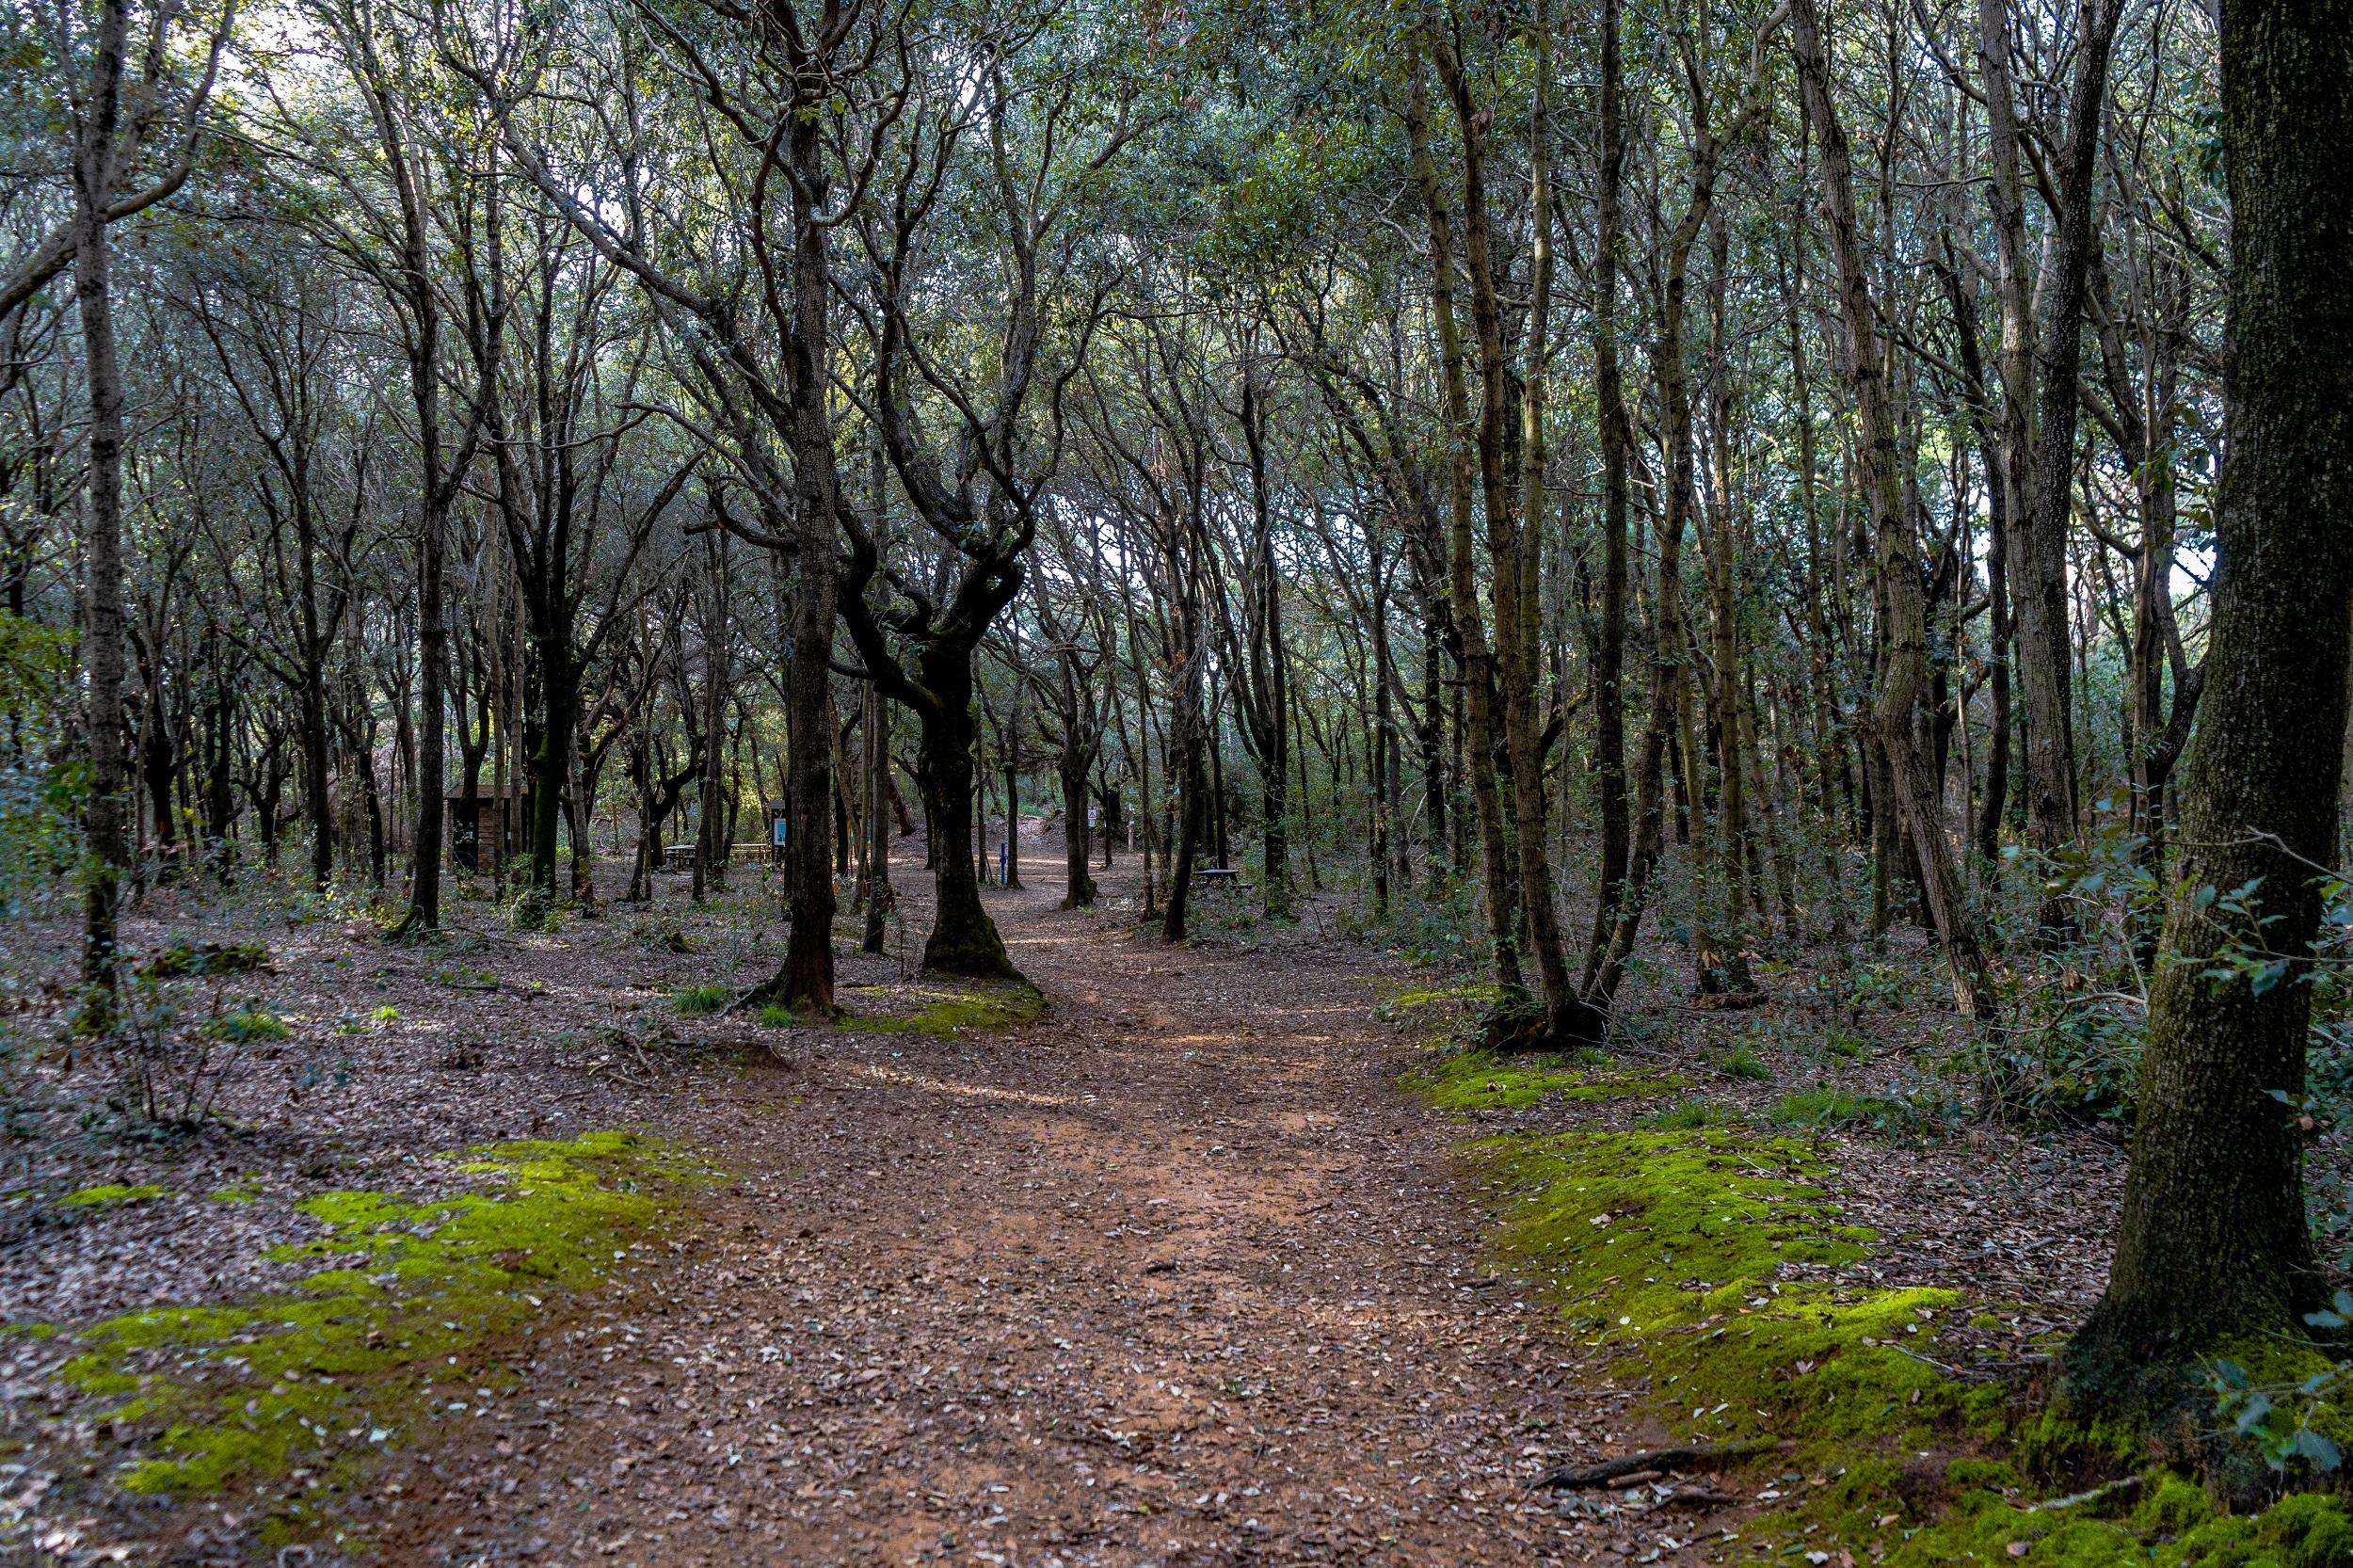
x=1175, y=1276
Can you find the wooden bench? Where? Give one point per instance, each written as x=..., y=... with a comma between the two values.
x=1219, y=876
x=751, y=849
x=679, y=858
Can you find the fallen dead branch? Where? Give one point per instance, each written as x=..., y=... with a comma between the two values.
x=1657, y=1461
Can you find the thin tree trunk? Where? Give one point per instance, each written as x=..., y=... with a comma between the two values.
x=1904, y=613
x=105, y=813
x=1479, y=742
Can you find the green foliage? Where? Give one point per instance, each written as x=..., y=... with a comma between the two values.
x=1828, y=1107
x=2288, y=1402
x=1875, y=985
x=665, y=938
x=696, y=1001
x=1444, y=932
x=530, y=907
x=2068, y=1050
x=167, y=1057
x=248, y=1026
x=1693, y=1112
x=777, y=1016
x=1742, y=1062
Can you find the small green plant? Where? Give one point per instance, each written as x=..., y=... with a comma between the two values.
x=665, y=938
x=696, y=1001
x=249, y=1025
x=1875, y=985
x=386, y=1015
x=530, y=908
x=1827, y=1107
x=777, y=1016
x=168, y=1061
x=1742, y=1062
x=1693, y=1112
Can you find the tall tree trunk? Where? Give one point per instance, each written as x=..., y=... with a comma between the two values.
x=806, y=981
x=1188, y=776
x=1612, y=883
x=712, y=849
x=1516, y=509
x=879, y=899
x=2051, y=762
x=1478, y=746
x=1078, y=879
x=425, y=879
x=1902, y=601
x=2213, y=1243
x=319, y=804
x=964, y=940
x=106, y=809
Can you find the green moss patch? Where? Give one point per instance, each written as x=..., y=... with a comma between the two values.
x=1673, y=1244
x=110, y=1194
x=1705, y=1259
x=2156, y=1519
x=1481, y=1081
x=942, y=1013
x=347, y=1361
x=1400, y=1001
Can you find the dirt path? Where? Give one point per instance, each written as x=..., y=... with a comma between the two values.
x=1176, y=1276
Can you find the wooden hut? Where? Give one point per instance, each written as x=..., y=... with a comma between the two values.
x=486, y=840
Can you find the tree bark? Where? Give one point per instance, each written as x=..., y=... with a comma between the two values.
x=2213, y=1243
x=1478, y=662
x=1613, y=885
x=1904, y=650
x=2051, y=804
x=107, y=807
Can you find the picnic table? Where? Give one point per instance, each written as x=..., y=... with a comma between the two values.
x=678, y=857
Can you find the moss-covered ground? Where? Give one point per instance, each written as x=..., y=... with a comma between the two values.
x=1479, y=1080
x=111, y=1193
x=940, y=1012
x=386, y=1337
x=1712, y=1260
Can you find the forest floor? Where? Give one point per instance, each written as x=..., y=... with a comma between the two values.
x=1170, y=1272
